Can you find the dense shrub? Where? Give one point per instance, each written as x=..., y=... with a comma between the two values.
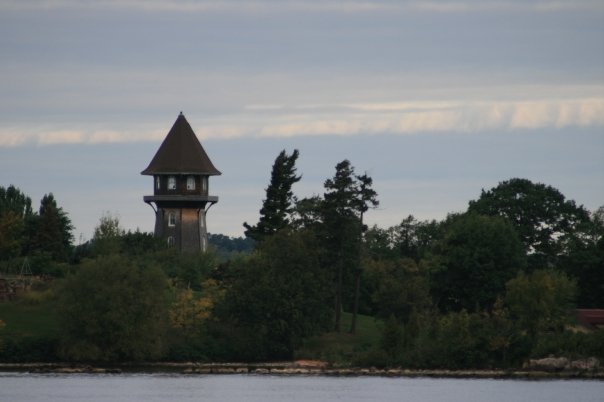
x=113, y=309
x=570, y=344
x=29, y=349
x=275, y=298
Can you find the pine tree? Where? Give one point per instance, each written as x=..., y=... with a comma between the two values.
x=52, y=229
x=15, y=212
x=366, y=198
x=347, y=198
x=341, y=226
x=278, y=206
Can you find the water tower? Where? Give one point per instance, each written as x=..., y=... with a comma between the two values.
x=181, y=170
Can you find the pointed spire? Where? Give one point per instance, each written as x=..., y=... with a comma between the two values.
x=181, y=153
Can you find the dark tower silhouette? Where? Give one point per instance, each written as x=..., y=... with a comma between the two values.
x=181, y=170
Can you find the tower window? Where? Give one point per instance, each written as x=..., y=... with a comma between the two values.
x=171, y=183
x=157, y=182
x=190, y=183
x=204, y=184
x=170, y=241
x=171, y=219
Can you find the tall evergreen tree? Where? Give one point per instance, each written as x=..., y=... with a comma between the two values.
x=278, y=205
x=52, y=230
x=341, y=228
x=308, y=214
x=13, y=200
x=366, y=198
x=15, y=211
x=347, y=198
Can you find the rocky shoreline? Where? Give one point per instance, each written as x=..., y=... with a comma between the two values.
x=297, y=368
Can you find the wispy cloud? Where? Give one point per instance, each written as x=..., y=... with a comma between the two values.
x=17, y=136
x=504, y=5
x=395, y=118
x=57, y=137
x=444, y=116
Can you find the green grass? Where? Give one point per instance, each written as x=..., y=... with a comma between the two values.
x=26, y=320
x=341, y=347
x=39, y=320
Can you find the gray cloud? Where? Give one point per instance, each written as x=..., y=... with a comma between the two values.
x=351, y=119
x=434, y=98
x=347, y=6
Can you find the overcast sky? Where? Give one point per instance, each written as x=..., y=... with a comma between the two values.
x=434, y=99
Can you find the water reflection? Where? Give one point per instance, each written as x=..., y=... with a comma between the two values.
x=22, y=387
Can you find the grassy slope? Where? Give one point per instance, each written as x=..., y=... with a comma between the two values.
x=25, y=320
x=340, y=347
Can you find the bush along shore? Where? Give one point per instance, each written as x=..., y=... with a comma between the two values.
x=547, y=368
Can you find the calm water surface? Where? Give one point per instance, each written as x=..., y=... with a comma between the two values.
x=20, y=387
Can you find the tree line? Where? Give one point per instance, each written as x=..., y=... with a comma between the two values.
x=486, y=287
x=24, y=231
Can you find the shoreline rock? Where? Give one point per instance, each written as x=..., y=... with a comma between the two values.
x=558, y=364
x=584, y=369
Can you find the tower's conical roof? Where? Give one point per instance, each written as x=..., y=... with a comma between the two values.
x=181, y=153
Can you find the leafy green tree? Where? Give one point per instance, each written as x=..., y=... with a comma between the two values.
x=137, y=243
x=379, y=243
x=2, y=325
x=107, y=234
x=193, y=269
x=413, y=238
x=398, y=288
x=542, y=216
x=184, y=270
x=541, y=301
x=276, y=297
x=308, y=214
x=409, y=239
x=278, y=206
x=585, y=263
x=460, y=341
x=131, y=243
x=191, y=309
x=11, y=235
x=108, y=227
x=595, y=229
x=12, y=199
x=392, y=342
x=474, y=260
x=113, y=309
x=227, y=247
x=504, y=341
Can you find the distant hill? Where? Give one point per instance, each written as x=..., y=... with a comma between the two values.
x=227, y=246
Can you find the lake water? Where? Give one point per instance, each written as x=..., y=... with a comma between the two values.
x=22, y=387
